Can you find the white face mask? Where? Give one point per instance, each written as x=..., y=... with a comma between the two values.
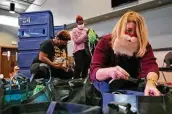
x=126, y=45
x=81, y=26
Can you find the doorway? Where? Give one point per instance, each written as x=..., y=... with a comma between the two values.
x=8, y=59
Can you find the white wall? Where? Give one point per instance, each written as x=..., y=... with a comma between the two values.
x=65, y=11
x=159, y=24
x=7, y=35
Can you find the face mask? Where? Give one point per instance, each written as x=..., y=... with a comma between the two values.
x=81, y=26
x=126, y=45
x=131, y=35
x=130, y=38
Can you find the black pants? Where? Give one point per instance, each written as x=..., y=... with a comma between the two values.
x=82, y=63
x=42, y=72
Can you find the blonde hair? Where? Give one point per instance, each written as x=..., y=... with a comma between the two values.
x=141, y=30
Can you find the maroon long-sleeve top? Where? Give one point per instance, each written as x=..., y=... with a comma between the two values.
x=102, y=59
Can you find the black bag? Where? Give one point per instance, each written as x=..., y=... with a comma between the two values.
x=66, y=90
x=87, y=95
x=40, y=87
x=87, y=49
x=93, y=96
x=75, y=91
x=41, y=93
x=145, y=104
x=52, y=108
x=14, y=91
x=155, y=105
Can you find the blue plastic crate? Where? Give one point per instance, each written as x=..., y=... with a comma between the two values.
x=33, y=31
x=58, y=28
x=35, y=27
x=26, y=58
x=32, y=18
x=37, y=19
x=30, y=44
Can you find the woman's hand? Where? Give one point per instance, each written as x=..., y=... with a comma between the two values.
x=151, y=89
x=115, y=73
x=64, y=67
x=118, y=73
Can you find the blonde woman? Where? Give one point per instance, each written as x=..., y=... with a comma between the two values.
x=123, y=54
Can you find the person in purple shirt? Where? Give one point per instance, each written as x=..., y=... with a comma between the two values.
x=123, y=54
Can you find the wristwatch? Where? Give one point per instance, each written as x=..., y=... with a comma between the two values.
x=154, y=81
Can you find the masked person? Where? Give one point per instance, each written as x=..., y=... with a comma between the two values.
x=123, y=54
x=81, y=57
x=53, y=52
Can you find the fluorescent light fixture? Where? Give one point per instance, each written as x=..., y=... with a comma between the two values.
x=10, y=21
x=17, y=5
x=12, y=7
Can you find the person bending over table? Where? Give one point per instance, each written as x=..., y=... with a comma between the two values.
x=123, y=54
x=53, y=53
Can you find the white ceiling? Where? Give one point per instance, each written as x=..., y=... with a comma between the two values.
x=20, y=6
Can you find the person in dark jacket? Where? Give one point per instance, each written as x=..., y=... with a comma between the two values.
x=125, y=53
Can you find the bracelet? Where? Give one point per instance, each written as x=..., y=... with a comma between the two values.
x=154, y=81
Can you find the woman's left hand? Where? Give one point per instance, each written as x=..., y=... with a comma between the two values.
x=151, y=89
